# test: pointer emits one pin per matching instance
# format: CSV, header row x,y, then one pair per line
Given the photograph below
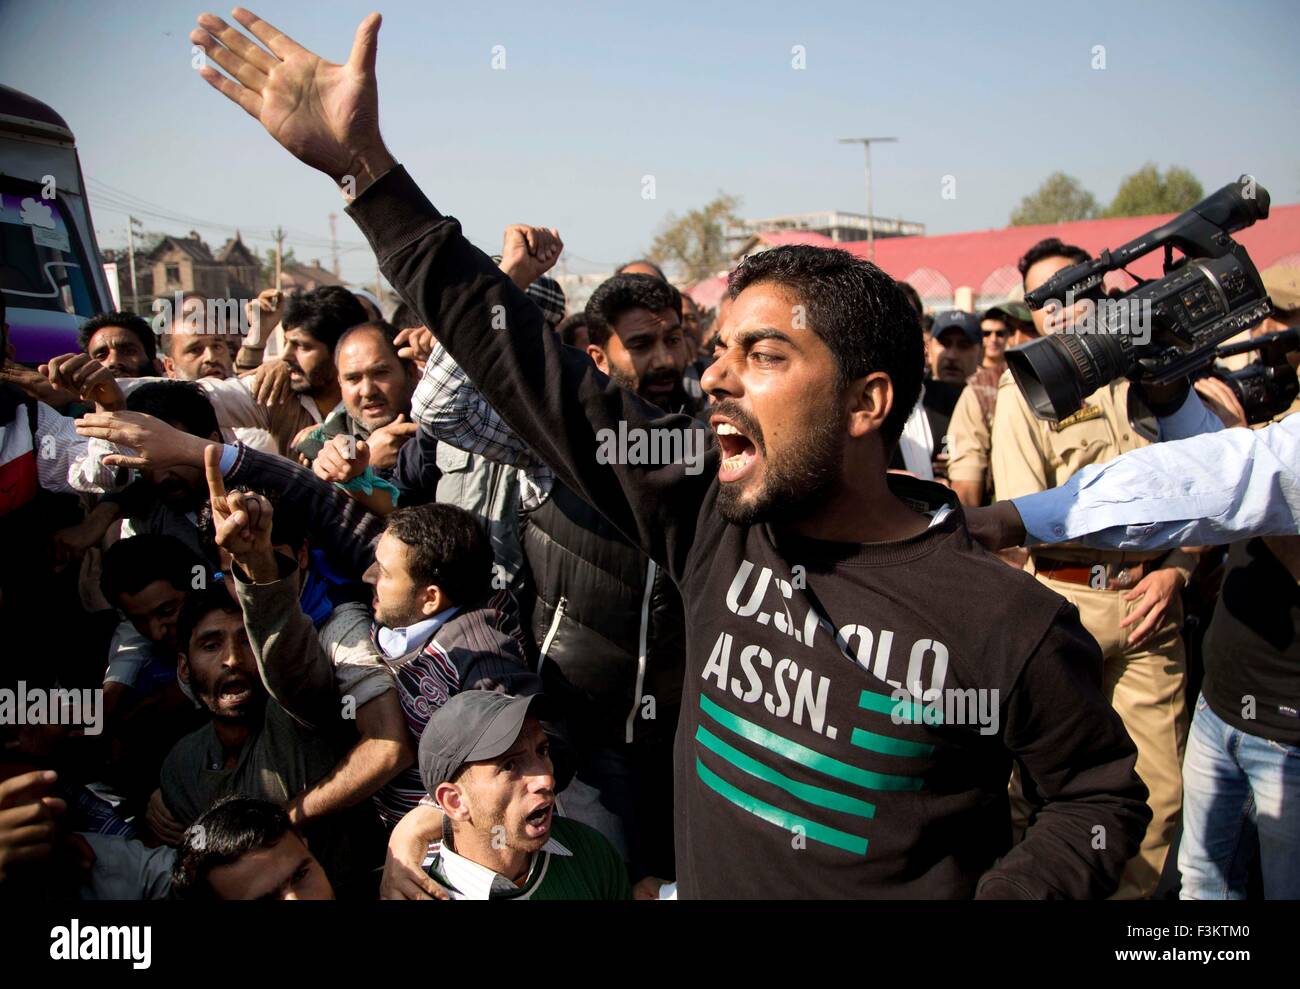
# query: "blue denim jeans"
x,y
1241,794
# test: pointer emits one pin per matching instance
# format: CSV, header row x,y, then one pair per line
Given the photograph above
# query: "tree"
x,y
697,242
1059,199
1146,191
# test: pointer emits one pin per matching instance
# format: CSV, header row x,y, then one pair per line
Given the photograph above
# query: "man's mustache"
x,y
662,378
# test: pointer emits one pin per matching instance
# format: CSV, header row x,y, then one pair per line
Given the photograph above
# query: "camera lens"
x,y
1056,373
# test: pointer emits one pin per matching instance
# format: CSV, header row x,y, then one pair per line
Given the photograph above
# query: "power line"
x,y
120,201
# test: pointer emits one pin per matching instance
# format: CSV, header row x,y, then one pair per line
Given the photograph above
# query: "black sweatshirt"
x,y
798,772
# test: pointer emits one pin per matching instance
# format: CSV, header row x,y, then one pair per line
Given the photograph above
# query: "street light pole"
x,y
866,143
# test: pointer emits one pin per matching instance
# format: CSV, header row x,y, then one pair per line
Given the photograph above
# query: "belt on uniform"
x,y
1116,576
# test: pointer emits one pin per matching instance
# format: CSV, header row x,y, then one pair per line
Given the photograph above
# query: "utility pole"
x,y
866,143
279,255
334,242
131,221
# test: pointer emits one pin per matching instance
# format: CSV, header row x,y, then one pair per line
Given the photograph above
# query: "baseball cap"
x,y
950,319
1282,283
1015,311
472,726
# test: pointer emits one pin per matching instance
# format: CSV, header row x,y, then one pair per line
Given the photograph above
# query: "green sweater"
x,y
577,863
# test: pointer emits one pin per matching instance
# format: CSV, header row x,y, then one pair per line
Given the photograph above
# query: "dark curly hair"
x,y
127,321
326,313
623,293
448,547
859,312
1051,247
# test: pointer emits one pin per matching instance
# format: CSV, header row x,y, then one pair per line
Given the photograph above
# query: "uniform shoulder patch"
x,y
1083,415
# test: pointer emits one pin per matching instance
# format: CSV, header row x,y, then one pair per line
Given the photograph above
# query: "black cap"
x,y
472,726
951,319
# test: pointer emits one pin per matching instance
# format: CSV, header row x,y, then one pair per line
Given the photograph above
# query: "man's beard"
x,y
210,694
798,484
495,824
144,370
403,615
374,421
673,401
309,384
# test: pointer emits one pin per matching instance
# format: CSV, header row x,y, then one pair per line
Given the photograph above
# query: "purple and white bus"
x,y
50,268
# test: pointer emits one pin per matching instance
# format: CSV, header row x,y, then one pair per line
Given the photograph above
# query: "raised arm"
x,y
558,403
337,524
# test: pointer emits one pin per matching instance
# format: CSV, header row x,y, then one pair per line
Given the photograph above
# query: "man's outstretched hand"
x,y
324,114
997,526
157,445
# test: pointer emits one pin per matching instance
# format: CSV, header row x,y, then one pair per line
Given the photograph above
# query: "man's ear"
x,y
304,555
434,601
452,801
183,668
598,357
869,400
169,366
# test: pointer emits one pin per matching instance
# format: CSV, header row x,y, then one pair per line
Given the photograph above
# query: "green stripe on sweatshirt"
x,y
889,746
814,795
774,815
805,756
911,712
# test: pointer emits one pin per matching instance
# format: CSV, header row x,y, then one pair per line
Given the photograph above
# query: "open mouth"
x,y
739,452
234,692
538,822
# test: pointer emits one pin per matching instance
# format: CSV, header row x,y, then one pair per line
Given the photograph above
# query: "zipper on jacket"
x,y
642,647
550,632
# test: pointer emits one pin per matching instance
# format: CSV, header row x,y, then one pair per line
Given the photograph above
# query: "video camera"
x,y
1161,330
1267,386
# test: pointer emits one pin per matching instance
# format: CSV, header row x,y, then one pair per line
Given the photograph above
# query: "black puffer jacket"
x,y
609,623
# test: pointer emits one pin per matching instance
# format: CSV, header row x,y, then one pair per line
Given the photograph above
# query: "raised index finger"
x,y
216,483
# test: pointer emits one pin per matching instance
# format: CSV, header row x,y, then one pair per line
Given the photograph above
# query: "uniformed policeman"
x,y
970,432
1130,602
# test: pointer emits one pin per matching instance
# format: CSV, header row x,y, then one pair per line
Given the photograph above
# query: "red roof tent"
x,y
969,259
708,292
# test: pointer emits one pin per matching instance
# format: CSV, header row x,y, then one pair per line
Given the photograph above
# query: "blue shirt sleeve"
x,y
1191,419
1217,487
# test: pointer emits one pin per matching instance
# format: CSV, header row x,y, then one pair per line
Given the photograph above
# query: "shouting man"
x,y
839,735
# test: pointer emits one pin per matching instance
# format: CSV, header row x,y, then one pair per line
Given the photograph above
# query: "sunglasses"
x,y
1000,334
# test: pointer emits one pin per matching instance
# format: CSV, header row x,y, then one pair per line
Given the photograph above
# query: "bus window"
x,y
41,260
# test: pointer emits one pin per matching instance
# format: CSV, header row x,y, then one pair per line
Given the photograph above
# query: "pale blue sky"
x,y
700,95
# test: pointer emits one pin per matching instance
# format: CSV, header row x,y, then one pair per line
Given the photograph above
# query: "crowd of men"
x,y
416,608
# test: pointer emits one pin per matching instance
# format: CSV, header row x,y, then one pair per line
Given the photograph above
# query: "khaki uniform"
x,y
970,437
1144,684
